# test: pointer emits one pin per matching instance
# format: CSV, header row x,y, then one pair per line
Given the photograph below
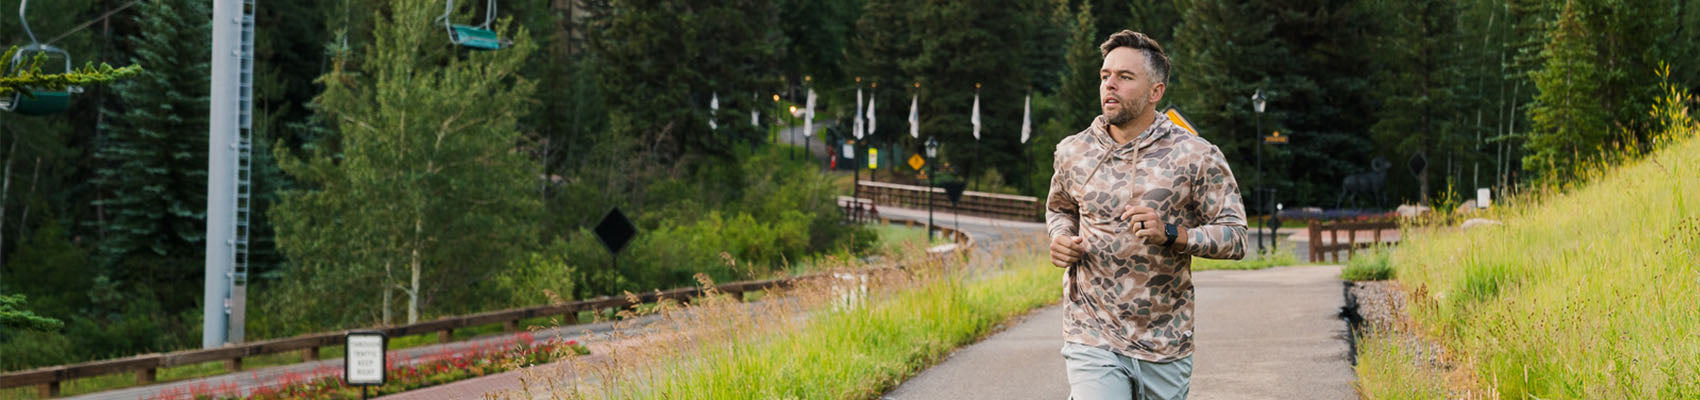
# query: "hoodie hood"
x,y
1160,128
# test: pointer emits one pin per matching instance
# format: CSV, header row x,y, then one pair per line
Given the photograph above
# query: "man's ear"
x,y
1157,92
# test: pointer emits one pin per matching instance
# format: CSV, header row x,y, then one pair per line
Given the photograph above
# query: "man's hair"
x,y
1154,57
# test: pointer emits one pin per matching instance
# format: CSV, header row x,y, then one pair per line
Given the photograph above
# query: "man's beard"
x,y
1120,116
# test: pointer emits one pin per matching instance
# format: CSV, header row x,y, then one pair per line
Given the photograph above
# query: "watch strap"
x,y
1171,231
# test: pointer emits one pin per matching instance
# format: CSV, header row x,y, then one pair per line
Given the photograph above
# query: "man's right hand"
x,y
1066,249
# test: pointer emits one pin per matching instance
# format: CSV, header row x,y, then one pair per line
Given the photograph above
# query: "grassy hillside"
x,y
1592,293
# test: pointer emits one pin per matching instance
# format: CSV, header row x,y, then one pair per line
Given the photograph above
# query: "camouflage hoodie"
x,y
1124,295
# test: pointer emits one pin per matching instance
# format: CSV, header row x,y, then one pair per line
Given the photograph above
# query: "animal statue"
x,y
1363,185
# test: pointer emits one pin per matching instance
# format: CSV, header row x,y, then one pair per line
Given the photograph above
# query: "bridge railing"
x,y
1343,235
146,366
991,205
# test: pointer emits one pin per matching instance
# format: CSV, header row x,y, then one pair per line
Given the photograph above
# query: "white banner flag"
x,y
809,115
856,119
1027,119
976,118
914,117
870,123
713,111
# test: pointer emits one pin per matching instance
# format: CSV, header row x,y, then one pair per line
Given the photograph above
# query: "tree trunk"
x,y
387,290
24,219
413,293
6,186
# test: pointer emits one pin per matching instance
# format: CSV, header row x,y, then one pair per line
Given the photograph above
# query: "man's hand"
x,y
1066,249
1148,226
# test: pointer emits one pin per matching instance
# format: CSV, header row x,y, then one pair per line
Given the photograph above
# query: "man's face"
x,y
1125,89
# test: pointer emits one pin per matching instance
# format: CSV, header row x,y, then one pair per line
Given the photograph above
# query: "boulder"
x,y
1411,210
1479,222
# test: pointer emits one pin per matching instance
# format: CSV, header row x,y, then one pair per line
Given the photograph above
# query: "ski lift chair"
x,y
476,37
38,102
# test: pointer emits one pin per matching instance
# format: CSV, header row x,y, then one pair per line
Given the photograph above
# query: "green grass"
x,y
1388,369
1591,293
1281,259
860,352
896,238
1371,266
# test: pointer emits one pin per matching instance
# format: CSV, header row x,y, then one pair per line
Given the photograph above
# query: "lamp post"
x,y
1258,102
808,136
932,158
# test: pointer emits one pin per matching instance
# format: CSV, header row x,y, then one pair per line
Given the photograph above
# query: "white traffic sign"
x,y
364,361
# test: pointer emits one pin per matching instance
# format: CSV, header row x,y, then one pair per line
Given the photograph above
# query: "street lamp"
x,y
795,113
932,158
1258,102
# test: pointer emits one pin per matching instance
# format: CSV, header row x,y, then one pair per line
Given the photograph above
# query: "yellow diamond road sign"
x,y
1180,120
915,161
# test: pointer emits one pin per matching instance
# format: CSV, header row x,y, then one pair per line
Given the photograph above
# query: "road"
x,y
1267,334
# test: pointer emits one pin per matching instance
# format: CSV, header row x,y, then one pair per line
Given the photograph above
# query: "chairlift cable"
x,y
85,25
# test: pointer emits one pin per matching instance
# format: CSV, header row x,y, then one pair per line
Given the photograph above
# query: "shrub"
x,y
1371,266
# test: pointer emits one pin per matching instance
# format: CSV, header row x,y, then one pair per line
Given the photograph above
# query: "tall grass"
x,y
1373,265
1593,292
826,340
1389,368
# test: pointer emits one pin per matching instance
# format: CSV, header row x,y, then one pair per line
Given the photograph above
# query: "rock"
x,y
1411,211
1469,206
1479,222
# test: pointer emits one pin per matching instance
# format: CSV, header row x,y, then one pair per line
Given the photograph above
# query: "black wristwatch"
x,y
1172,232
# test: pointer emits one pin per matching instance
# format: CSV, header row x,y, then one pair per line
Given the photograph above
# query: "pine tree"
x,y
1570,120
884,39
154,163
963,44
429,194
1311,60
677,54
1419,77
1079,94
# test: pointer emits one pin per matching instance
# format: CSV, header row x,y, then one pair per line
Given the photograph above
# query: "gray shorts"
x,y
1095,373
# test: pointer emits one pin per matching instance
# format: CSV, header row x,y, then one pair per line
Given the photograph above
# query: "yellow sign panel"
x,y
915,161
873,158
1275,138
1180,120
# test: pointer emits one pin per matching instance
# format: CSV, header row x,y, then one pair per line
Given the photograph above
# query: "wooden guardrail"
x,y
992,205
858,211
145,366
1342,235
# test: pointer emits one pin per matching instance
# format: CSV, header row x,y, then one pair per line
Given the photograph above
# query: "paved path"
x,y
986,232
1268,334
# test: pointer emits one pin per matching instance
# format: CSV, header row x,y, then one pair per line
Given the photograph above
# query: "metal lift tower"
x,y
229,168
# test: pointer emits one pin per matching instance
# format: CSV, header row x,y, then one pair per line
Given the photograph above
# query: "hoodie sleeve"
x,y
1062,213
1217,196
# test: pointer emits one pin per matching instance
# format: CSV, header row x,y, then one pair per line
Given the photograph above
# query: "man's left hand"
x,y
1147,225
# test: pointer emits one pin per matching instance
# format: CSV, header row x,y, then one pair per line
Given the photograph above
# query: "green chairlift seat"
x,y
477,37
43,102
474,37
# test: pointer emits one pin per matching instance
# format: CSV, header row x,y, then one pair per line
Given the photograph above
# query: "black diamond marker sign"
x,y
615,231
953,190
